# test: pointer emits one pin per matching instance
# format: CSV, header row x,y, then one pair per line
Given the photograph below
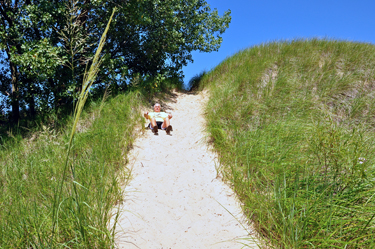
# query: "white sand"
x,y
176,199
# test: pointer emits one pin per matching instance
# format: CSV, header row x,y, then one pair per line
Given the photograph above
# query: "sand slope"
x,y
175,199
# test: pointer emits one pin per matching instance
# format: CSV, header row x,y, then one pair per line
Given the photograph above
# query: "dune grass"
x,y
56,193
293,123
59,189
31,169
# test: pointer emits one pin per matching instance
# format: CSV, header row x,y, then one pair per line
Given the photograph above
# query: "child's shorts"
x,y
159,124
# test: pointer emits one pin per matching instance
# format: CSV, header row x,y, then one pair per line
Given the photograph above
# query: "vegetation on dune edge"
x,y
60,193
32,169
32,166
58,189
293,123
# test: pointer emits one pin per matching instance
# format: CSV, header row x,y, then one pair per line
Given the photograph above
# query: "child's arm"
x,y
166,115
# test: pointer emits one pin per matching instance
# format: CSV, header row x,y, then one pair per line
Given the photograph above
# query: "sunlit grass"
x,y
293,123
31,169
51,199
88,80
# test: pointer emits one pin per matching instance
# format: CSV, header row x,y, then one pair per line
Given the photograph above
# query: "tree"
x,y
152,37
27,38
47,44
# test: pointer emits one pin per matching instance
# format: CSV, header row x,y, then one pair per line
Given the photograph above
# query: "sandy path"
x,y
173,199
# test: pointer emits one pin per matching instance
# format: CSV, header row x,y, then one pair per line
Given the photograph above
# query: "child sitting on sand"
x,y
159,120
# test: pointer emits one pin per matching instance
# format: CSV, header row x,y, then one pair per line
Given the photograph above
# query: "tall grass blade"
x,y
88,80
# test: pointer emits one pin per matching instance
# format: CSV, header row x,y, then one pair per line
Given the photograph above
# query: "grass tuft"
x,y
195,81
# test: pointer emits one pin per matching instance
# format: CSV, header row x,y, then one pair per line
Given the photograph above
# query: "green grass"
x,y
59,187
31,169
293,123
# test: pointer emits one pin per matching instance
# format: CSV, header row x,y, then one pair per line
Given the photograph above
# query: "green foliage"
x,y
51,200
49,44
38,61
292,124
88,80
149,86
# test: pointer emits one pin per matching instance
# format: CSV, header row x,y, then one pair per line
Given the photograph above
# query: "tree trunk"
x,y
52,86
14,96
32,106
30,96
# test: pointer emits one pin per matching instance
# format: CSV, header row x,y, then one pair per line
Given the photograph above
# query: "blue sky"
x,y
256,22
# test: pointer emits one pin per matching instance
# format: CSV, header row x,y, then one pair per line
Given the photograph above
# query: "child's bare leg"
x,y
166,123
153,122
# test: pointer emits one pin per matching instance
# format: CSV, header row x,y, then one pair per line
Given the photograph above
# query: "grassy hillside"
x,y
32,169
294,123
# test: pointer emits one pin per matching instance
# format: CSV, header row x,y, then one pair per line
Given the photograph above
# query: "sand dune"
x,y
176,198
